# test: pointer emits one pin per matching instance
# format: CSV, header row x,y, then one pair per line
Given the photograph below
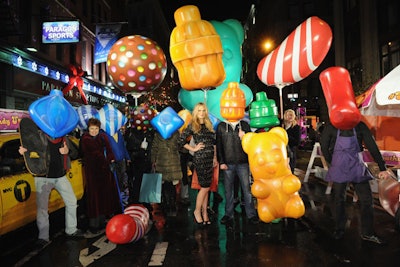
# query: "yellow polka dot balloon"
x,y
136,64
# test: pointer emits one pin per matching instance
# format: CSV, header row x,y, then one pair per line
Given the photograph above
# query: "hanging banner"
x,y
106,36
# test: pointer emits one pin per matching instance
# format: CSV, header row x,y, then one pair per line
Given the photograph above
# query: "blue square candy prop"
x,y
167,122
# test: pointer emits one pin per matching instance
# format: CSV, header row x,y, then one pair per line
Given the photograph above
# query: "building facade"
x,y
366,36
31,68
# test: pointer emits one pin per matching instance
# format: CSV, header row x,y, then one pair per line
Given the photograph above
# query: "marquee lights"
x,y
44,70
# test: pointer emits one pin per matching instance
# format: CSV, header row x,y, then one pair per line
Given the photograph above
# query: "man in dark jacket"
x,y
234,163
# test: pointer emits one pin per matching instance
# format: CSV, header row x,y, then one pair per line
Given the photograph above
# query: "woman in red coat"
x,y
102,199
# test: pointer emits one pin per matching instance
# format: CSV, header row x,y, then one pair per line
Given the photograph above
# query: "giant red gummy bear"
x,y
274,186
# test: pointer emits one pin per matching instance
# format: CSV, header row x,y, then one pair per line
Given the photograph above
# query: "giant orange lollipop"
x,y
136,64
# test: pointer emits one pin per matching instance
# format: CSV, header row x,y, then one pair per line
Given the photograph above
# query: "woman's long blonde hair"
x,y
196,125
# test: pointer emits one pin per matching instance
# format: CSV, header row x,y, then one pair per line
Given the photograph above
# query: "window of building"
x,y
85,7
309,9
72,53
390,56
59,52
294,11
355,71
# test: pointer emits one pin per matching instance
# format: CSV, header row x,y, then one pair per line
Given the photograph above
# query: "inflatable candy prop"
x,y
196,50
233,103
389,192
85,112
340,99
130,226
53,114
141,117
167,122
136,64
263,112
214,120
142,217
186,116
75,79
274,186
231,33
111,119
297,56
121,229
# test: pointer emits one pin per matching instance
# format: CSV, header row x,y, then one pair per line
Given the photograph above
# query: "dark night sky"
x,y
209,9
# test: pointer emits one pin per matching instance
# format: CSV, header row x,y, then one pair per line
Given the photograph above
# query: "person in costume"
x,y
58,162
235,165
122,162
341,150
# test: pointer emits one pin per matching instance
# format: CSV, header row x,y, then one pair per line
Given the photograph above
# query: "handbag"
x,y
150,189
214,182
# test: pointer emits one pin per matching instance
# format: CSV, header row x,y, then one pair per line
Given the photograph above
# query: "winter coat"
x,y
165,156
229,145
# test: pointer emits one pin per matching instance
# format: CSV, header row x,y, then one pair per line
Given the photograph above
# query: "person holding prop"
x,y
47,153
342,144
57,152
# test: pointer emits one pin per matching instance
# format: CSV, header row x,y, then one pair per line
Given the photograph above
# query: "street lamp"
x,y
268,45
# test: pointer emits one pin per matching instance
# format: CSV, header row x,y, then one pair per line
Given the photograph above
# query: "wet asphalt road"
x,y
180,242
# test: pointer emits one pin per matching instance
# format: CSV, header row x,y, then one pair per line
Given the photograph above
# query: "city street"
x,y
304,242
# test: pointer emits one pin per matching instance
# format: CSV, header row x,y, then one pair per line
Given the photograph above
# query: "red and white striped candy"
x,y
298,55
141,215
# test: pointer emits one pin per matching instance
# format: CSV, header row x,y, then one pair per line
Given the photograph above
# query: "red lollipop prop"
x,y
136,64
121,229
297,56
339,96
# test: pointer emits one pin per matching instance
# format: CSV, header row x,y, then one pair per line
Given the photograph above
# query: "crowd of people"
x,y
113,168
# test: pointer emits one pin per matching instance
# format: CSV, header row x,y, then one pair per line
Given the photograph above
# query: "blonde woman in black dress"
x,y
204,158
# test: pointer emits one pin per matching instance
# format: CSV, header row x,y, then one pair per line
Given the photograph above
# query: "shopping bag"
x,y
150,190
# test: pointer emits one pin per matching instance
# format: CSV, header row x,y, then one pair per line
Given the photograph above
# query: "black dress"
x,y
202,159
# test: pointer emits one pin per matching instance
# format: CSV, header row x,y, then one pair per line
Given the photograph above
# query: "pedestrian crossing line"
x,y
98,249
158,256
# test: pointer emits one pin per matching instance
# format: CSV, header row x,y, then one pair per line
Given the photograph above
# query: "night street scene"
x,y
199,133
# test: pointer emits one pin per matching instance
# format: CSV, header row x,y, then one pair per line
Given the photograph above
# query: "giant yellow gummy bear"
x,y
274,186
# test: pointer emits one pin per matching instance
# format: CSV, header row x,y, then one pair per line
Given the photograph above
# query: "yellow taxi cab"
x,y
17,187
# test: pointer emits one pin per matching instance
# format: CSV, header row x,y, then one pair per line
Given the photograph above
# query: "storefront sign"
x,y
392,158
60,32
10,118
41,85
